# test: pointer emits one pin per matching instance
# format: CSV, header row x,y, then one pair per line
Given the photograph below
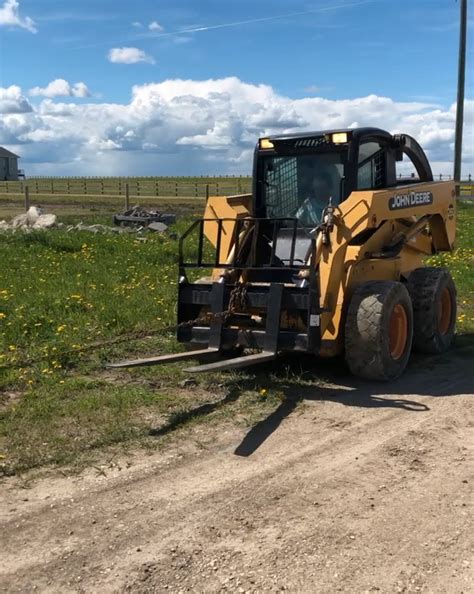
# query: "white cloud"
x,y
313,89
10,17
155,26
80,90
129,55
186,127
61,88
137,24
50,108
13,101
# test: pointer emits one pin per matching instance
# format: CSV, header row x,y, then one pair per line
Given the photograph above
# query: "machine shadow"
x,y
435,376
181,417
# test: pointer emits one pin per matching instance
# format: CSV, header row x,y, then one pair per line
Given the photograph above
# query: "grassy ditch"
x,y
60,292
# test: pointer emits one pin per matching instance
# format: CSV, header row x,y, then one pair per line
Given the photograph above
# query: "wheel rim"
x,y
444,311
398,331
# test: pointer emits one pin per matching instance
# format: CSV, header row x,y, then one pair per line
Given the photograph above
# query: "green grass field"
x,y
60,292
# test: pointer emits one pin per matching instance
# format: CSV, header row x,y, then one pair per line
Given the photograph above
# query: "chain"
x,y
237,302
238,298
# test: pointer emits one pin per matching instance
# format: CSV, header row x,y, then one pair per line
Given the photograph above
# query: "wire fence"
x,y
136,187
144,187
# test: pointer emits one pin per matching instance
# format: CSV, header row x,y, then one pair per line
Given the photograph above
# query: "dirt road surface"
x,y
357,488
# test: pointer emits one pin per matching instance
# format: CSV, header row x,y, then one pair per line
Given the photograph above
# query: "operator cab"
x,y
297,176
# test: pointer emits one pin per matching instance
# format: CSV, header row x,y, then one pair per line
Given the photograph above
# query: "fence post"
x,y
127,197
27,198
207,193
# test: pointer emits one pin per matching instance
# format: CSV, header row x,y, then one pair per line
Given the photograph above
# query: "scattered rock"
x,y
45,221
157,227
186,383
33,219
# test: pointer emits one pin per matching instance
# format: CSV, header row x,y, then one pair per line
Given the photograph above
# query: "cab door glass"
x,y
371,173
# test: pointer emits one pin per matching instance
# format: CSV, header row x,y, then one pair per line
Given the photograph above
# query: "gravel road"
x,y
361,487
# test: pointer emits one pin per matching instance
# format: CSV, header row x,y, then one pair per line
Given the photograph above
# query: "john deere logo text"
x,y
410,199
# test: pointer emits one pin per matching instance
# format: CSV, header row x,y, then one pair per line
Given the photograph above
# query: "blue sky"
x,y
336,50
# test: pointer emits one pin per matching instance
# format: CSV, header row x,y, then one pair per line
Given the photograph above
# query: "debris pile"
x,y
33,219
134,220
143,217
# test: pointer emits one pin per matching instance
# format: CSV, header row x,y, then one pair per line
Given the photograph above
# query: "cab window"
x,y
300,186
371,173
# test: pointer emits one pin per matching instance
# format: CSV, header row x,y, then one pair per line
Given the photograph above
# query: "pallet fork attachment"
x,y
270,350
235,363
175,357
215,338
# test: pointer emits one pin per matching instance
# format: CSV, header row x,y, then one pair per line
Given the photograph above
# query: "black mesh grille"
x,y
282,194
310,142
379,170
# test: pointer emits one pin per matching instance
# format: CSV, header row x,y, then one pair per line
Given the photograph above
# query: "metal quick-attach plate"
x,y
257,296
271,300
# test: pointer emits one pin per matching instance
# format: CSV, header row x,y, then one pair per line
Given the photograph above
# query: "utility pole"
x,y
461,85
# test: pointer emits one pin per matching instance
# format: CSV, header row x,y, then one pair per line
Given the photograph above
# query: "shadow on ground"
x,y
450,374
305,378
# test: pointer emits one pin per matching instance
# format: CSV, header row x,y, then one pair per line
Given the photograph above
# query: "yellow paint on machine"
x,y
364,224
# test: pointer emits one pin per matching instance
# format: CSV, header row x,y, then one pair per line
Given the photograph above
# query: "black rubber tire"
x,y
367,330
426,286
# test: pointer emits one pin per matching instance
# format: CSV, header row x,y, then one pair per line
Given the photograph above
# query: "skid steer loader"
x,y
324,257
